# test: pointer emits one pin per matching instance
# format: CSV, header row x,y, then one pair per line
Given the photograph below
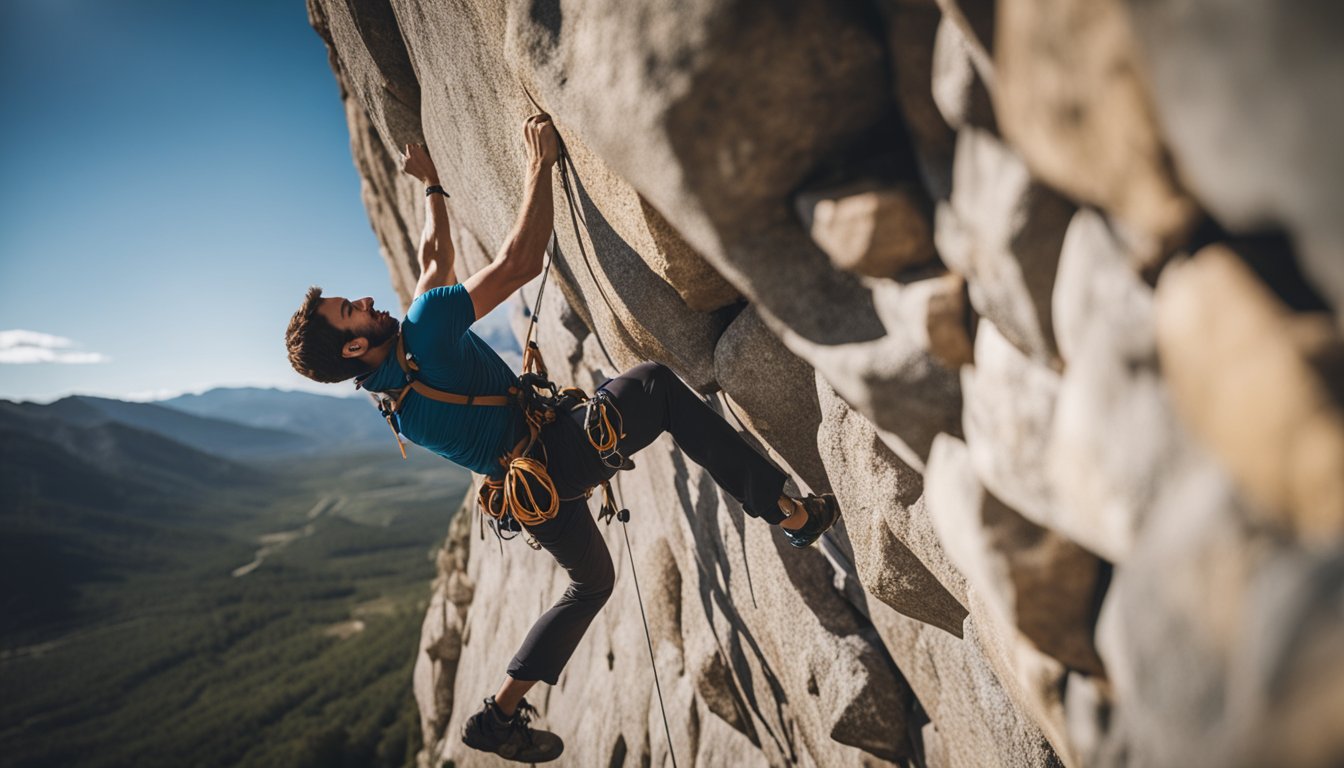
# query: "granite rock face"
x,y
1072,98
1287,447
948,260
1236,86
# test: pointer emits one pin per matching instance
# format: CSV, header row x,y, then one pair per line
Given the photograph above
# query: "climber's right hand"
x,y
543,145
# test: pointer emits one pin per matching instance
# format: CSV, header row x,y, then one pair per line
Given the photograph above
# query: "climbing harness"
x,y
526,494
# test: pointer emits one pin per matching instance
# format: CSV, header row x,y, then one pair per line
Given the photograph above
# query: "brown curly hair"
x,y
315,344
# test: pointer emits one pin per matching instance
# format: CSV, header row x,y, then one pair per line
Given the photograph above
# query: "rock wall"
x,y
1046,291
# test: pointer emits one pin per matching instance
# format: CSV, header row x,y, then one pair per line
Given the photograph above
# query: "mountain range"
x,y
336,423
240,424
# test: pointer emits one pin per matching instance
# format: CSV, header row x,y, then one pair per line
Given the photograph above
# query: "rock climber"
x,y
332,339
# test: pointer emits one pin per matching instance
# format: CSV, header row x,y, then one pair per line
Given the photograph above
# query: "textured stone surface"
x,y
870,228
976,20
1088,712
1038,581
694,128
979,723
673,259
1003,231
911,32
372,55
1208,633
1032,680
1250,377
609,266
775,392
1097,285
1072,98
957,86
1243,96
934,312
896,552
687,79
935,752
1114,440
441,633
1009,413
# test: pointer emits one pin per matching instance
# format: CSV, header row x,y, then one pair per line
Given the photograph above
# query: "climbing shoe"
x,y
822,512
490,730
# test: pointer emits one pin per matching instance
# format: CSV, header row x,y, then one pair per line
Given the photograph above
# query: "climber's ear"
x,y
356,347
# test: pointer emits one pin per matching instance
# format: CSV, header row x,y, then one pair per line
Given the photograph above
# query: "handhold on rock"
x,y
934,312
870,228
947,321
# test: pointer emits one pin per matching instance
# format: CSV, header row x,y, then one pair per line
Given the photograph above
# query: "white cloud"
x,y
21,347
9,339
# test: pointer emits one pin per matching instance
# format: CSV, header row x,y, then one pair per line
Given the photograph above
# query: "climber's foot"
x,y
822,512
490,730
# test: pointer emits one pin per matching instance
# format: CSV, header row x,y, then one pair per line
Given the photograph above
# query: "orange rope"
x,y
513,495
519,498
612,437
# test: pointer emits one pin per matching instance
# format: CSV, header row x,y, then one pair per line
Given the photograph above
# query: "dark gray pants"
x,y
651,400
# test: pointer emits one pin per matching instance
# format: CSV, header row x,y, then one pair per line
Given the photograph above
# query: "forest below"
x,y
164,606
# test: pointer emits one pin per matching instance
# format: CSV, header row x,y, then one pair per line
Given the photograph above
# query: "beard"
x,y
382,330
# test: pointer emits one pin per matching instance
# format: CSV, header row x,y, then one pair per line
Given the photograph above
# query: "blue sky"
x,y
174,176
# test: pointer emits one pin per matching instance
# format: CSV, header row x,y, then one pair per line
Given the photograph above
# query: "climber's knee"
x,y
659,377
595,584
606,580
648,372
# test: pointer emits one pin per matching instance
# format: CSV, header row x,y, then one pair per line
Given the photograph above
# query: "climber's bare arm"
x,y
436,242
523,253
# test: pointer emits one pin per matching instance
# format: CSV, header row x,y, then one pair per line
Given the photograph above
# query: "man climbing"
x,y
331,339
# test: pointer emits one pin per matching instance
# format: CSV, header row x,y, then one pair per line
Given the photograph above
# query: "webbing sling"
x,y
412,371
389,403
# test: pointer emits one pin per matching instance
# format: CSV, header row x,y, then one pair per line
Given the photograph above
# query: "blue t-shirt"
x,y
451,358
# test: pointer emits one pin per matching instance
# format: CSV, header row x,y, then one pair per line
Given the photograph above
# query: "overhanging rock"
x,y
1028,344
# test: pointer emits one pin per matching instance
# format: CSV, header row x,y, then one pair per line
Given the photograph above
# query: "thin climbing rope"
x,y
545,273
571,202
566,162
624,514
624,517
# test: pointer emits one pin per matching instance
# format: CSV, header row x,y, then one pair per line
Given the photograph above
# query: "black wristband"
x,y
435,188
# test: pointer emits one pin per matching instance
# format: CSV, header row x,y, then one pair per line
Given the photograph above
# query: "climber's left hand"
x,y
415,160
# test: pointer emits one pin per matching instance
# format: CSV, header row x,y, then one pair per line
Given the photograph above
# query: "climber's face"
x,y
366,326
